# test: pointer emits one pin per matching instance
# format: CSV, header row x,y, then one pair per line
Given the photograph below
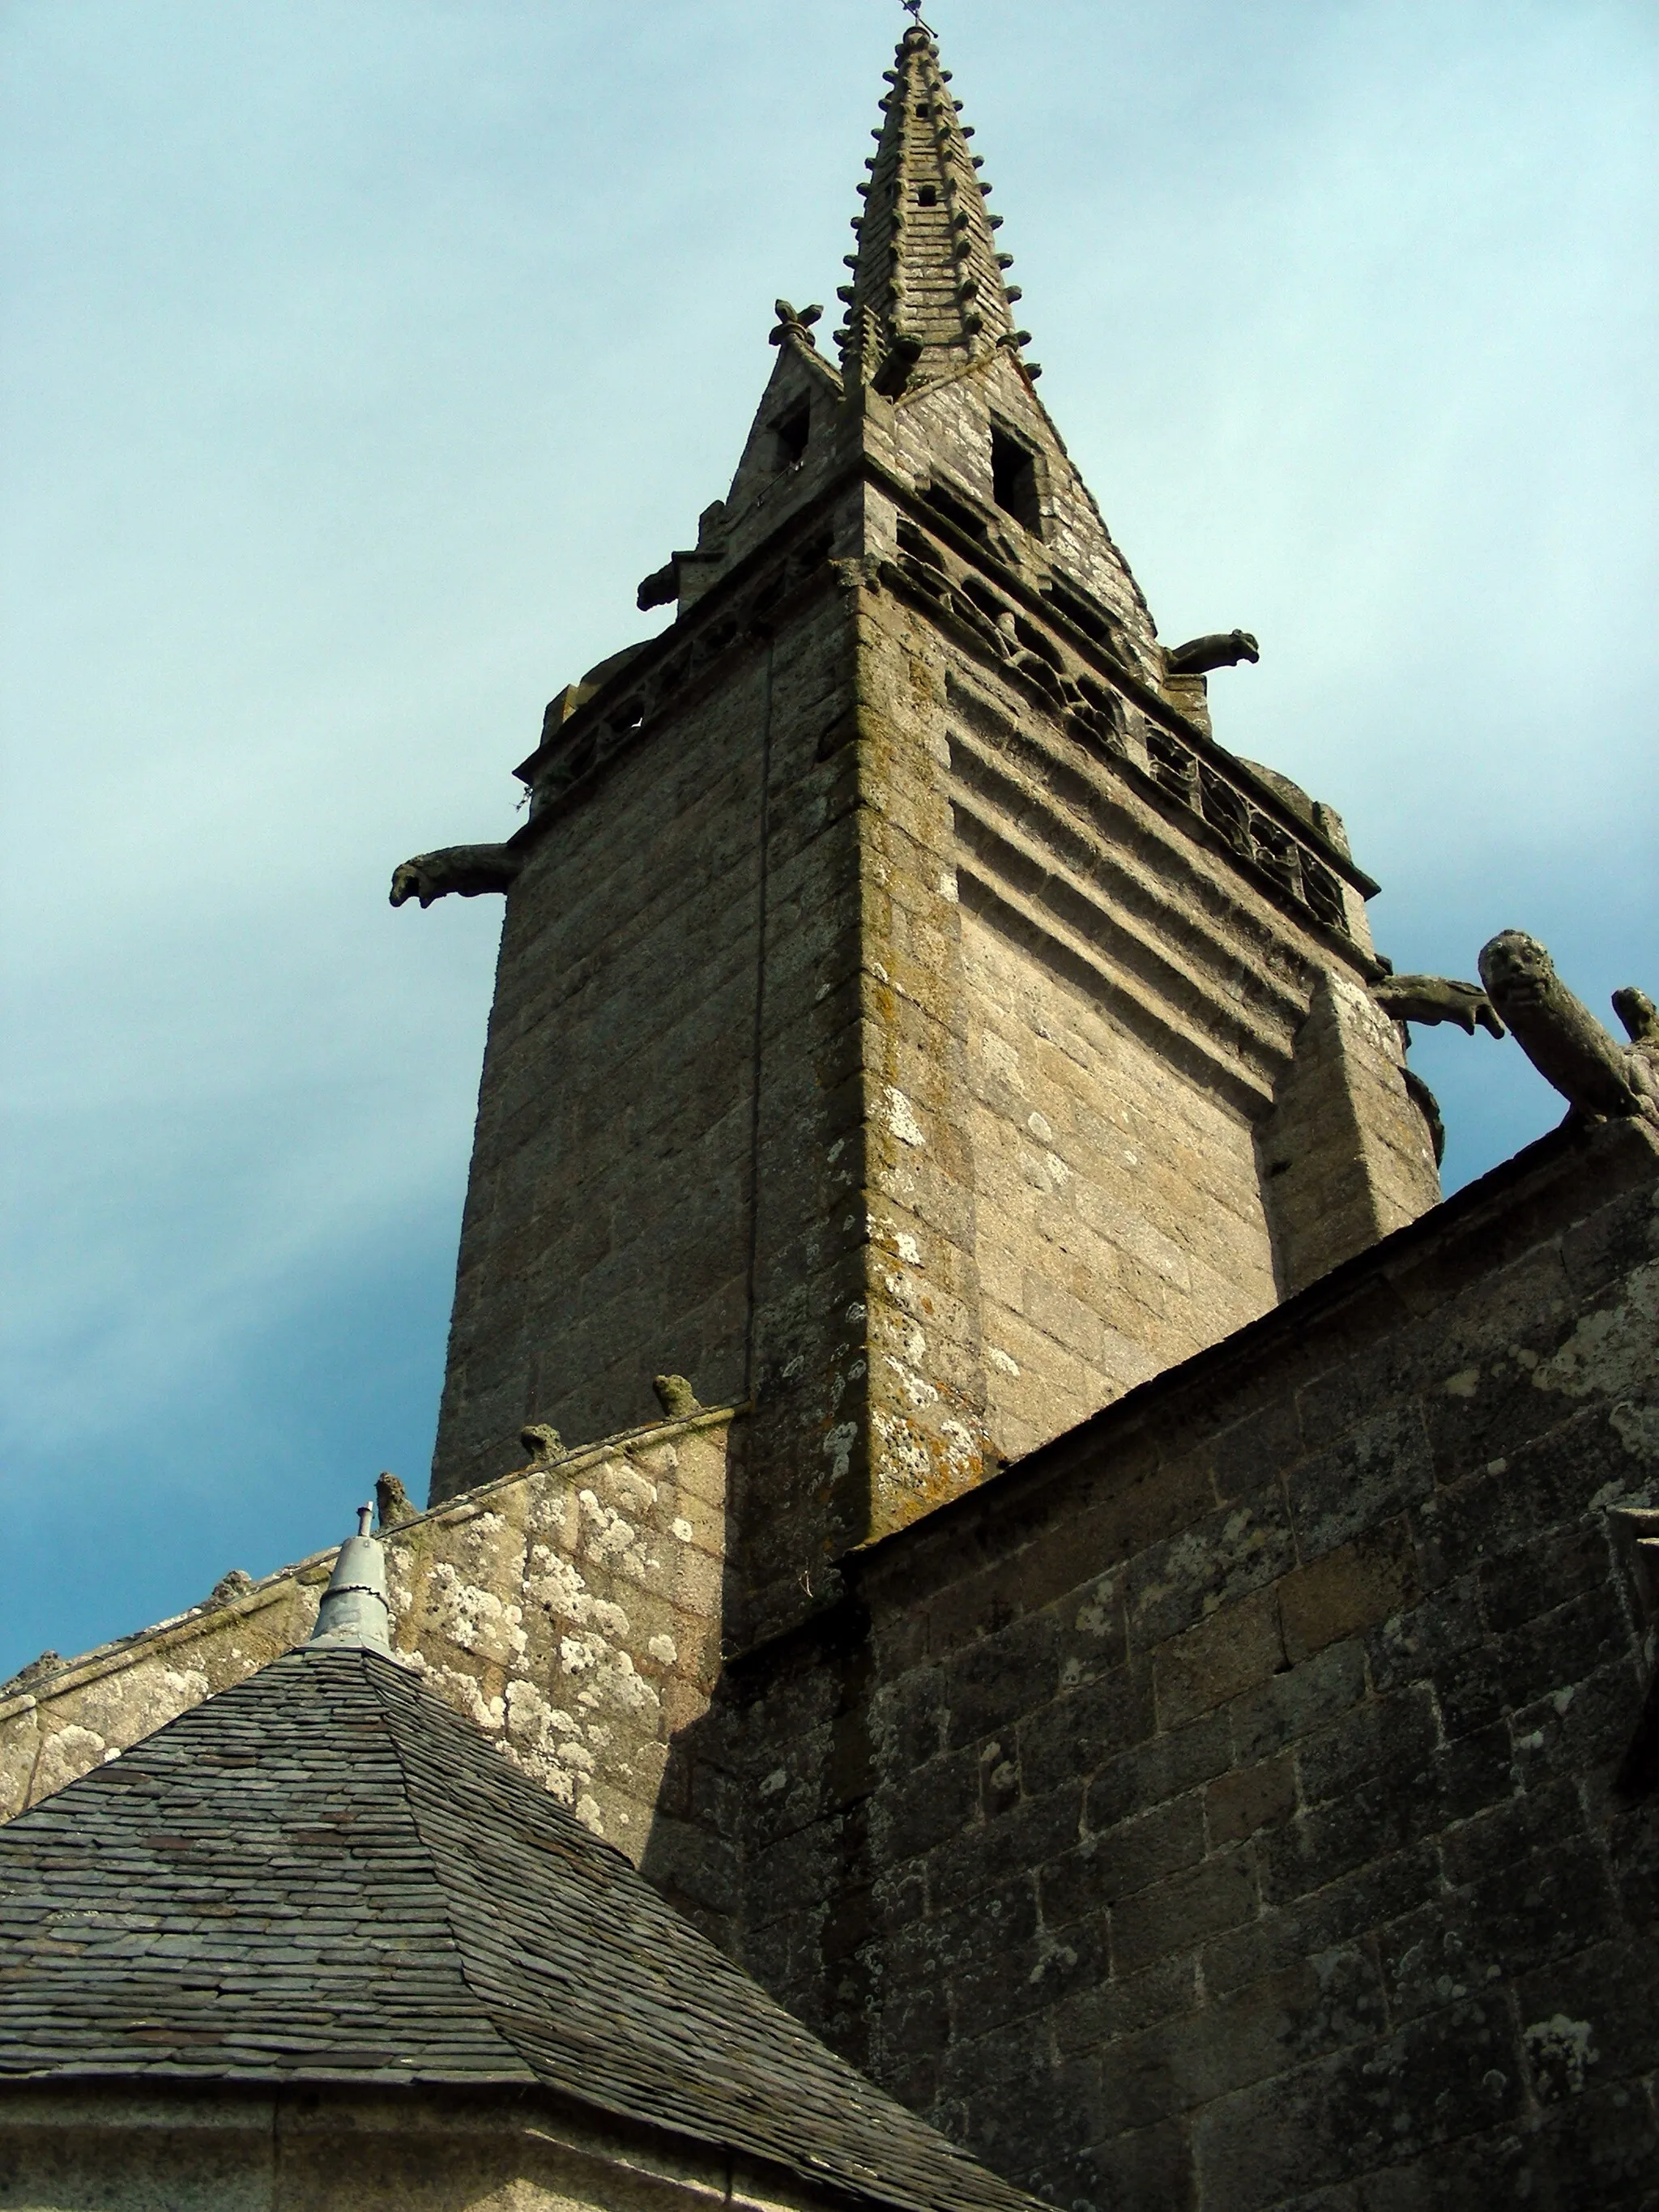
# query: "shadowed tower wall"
x,y
909,1019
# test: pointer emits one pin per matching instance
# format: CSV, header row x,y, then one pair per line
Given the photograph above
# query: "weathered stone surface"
x,y
572,1610
908,1021
1251,1839
913,1029
295,2150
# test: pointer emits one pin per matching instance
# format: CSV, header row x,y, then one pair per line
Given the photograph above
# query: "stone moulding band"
x,y
944,572
1098,927
1019,918
1280,863
729,617
1263,801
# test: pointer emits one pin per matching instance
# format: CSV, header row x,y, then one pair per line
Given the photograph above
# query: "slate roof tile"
x,y
323,1873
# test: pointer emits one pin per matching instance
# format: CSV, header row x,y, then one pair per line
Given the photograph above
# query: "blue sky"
x,y
359,360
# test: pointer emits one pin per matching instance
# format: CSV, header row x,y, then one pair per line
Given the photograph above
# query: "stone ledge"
x,y
572,1609
316,1566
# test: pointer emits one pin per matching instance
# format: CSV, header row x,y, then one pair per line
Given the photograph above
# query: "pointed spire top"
x,y
928,294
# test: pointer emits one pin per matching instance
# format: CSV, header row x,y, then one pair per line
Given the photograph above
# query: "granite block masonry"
x,y
572,1610
909,1019
1232,1806
1152,1656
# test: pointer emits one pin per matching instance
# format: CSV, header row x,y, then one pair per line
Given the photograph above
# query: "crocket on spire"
x,y
928,294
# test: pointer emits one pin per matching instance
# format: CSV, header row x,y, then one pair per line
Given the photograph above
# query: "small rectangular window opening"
x,y
927,196
789,435
954,510
1014,481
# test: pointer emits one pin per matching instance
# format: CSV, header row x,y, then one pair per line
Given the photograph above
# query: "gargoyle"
x,y
392,1504
542,1443
662,587
1431,999
676,1396
1594,1072
1641,1019
903,352
468,870
1221,649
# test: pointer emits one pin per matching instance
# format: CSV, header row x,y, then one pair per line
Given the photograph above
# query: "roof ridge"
x,y
803,2054
404,1678
301,1898
326,1872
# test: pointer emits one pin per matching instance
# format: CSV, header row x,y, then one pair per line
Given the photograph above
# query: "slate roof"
x,y
325,1875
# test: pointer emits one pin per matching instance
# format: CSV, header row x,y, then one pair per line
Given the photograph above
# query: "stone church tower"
x,y
910,1020
1149,1645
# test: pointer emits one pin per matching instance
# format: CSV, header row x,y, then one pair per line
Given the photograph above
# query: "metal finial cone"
x,y
355,1614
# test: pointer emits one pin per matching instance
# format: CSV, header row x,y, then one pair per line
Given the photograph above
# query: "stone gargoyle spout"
x,y
1431,999
1640,1016
466,870
1594,1072
1221,649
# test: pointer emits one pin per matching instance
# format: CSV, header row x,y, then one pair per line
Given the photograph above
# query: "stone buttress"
x,y
910,1020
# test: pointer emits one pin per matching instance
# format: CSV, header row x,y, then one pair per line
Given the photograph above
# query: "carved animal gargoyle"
x,y
1593,1072
1641,1019
662,587
676,1396
392,1504
466,870
1432,999
903,352
1221,649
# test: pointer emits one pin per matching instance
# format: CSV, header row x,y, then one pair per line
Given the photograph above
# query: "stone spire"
x,y
928,293
907,844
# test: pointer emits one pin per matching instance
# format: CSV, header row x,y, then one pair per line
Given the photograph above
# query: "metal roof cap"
x,y
355,1614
